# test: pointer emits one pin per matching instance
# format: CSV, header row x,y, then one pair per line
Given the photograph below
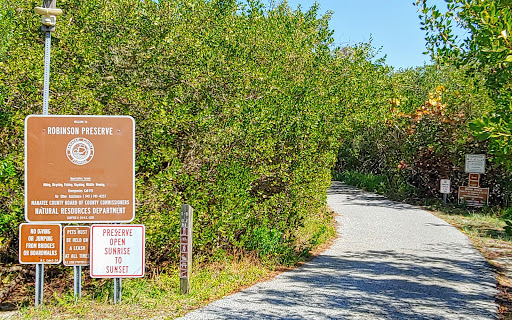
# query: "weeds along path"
x,y
391,261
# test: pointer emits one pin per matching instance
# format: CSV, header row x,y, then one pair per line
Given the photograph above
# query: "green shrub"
x,y
419,135
236,109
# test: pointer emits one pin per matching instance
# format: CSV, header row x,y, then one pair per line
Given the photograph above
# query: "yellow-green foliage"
x,y
416,131
485,47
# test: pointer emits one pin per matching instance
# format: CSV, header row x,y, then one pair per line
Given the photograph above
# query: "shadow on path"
x,y
446,279
375,285
359,197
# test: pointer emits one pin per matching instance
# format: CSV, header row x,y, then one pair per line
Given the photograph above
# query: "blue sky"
x,y
393,25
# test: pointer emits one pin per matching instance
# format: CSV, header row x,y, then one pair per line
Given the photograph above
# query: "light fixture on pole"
x,y
49,13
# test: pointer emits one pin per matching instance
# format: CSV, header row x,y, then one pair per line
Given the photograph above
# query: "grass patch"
x,y
155,296
366,181
485,230
395,187
317,233
158,294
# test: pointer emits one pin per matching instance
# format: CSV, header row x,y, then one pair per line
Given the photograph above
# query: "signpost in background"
x,y
49,13
79,169
472,194
444,188
186,217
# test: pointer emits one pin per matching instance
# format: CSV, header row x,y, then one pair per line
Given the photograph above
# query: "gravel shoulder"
x,y
391,261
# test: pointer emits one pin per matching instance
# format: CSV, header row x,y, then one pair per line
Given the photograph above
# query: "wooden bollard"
x,y
185,248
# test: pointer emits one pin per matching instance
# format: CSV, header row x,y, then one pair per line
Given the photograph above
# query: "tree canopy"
x,y
487,48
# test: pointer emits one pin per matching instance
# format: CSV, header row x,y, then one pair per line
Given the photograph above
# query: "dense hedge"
x,y
418,133
235,111
241,111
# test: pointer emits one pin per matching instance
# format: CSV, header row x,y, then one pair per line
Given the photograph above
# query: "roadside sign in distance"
x,y
445,186
475,163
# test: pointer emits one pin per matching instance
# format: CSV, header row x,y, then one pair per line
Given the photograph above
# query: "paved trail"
x,y
391,261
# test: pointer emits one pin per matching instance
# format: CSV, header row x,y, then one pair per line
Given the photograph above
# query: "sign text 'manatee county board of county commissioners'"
x,y
79,169
117,251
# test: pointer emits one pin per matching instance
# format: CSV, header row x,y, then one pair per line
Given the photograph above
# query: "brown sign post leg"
x,y
185,248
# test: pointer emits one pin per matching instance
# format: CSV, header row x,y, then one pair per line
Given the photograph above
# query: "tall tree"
x,y
487,47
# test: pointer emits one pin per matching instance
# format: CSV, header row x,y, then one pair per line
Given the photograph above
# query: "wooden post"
x,y
185,248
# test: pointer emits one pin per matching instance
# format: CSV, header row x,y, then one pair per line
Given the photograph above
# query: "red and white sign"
x,y
117,251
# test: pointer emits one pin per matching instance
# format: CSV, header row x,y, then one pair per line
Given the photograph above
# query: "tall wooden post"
x,y
185,248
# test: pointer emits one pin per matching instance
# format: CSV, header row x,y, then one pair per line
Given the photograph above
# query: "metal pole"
x,y
77,283
117,290
39,284
46,83
49,12
444,198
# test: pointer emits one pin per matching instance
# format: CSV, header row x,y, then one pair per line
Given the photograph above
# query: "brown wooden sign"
x,y
40,243
474,180
474,197
79,169
76,245
186,217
